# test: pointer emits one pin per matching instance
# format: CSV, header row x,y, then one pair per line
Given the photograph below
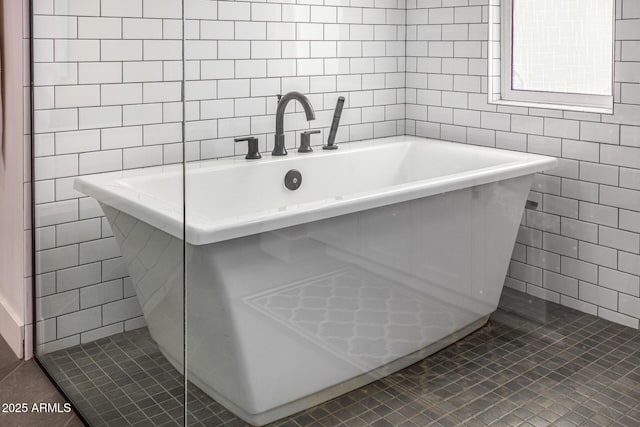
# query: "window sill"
x,y
583,109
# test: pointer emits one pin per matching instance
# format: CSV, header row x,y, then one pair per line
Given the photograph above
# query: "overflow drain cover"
x,y
293,179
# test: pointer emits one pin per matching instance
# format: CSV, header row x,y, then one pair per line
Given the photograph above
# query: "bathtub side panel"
x,y
154,260
307,307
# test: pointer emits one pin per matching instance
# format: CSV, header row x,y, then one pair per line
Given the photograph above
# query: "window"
x,y
557,54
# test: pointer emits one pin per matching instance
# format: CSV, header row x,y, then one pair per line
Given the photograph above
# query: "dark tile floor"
x,y
24,382
534,364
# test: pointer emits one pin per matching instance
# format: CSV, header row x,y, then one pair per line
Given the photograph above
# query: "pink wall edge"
x,y
15,253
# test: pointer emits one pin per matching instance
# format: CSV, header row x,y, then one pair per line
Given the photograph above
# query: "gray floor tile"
x,y
535,363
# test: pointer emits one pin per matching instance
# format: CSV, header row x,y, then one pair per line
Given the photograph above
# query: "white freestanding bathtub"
x,y
390,250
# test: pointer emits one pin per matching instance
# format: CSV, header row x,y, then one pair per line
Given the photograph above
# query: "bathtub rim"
x,y
108,188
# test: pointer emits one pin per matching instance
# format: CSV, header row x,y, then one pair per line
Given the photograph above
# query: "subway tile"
x,y
98,28
561,128
65,190
561,284
619,239
598,295
121,50
620,197
100,161
560,245
600,132
99,117
546,184
618,317
620,156
516,284
580,230
630,220
78,277
135,323
43,7
57,304
619,281
121,8
579,305
629,305
600,214
102,332
79,321
472,14
581,150
560,206
100,294
97,250
580,190
45,191
46,239
133,72
43,51
68,50
56,213
543,259
141,114
511,141
123,137
99,72
630,9
468,84
120,94
46,121
546,294
529,237
119,311
140,29
56,259
441,16
78,231
566,168
596,254
595,172
89,208
200,9
629,263
630,178
526,273
630,135
527,124
543,221
162,8
579,269
626,114
544,145
77,96
55,27
77,141
495,121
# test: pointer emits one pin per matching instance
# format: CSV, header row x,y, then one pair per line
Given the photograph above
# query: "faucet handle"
x,y
305,141
252,147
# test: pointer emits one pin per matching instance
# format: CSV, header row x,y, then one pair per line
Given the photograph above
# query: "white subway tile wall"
x,y
108,89
107,97
581,246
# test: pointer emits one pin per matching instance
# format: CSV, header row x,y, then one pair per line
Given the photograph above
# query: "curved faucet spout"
x,y
279,149
282,105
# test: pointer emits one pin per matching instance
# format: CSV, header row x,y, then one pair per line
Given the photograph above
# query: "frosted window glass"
x,y
563,46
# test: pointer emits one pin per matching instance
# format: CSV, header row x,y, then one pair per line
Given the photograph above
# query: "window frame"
x,y
541,99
